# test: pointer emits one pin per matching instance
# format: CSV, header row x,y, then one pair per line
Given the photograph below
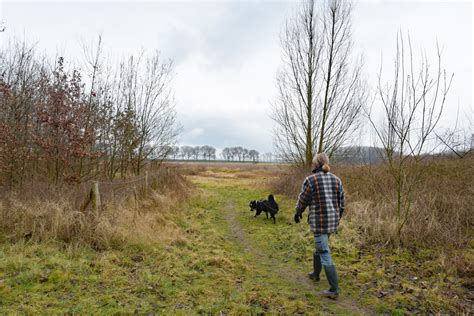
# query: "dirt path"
x,y
291,275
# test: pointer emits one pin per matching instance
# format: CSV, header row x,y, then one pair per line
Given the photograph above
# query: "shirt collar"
x,y
317,169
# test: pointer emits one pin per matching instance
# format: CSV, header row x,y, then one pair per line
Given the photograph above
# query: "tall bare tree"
x,y
412,102
155,110
320,89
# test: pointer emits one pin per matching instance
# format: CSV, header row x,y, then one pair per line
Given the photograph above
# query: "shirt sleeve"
x,y
341,199
304,198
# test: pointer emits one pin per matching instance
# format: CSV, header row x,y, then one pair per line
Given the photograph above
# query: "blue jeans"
x,y
322,248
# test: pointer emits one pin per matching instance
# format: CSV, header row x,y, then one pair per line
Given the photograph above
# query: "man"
x,y
323,193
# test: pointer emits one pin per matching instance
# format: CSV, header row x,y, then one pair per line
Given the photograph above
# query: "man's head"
x,y
321,160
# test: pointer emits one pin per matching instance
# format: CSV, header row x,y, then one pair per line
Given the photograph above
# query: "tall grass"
x,y
43,213
442,203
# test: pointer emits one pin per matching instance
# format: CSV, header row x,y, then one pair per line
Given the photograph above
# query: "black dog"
x,y
267,206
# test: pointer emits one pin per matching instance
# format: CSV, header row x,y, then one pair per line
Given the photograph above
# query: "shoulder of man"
x,y
311,178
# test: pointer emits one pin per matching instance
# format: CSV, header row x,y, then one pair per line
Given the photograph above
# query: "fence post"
x,y
146,182
135,195
95,197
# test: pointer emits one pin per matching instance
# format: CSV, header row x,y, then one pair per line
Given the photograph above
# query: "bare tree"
x,y
155,109
186,152
412,103
253,155
144,109
238,152
96,108
458,139
208,152
196,152
268,156
344,89
320,89
227,153
175,152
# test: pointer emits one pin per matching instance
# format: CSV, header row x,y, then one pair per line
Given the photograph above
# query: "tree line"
x,y
207,152
63,123
240,154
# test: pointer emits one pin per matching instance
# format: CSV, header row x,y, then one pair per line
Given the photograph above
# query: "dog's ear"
x,y
271,198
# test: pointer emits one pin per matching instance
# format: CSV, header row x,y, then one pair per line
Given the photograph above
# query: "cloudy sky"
x,y
226,53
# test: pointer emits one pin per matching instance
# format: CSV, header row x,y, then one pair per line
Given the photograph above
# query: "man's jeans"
x,y
322,248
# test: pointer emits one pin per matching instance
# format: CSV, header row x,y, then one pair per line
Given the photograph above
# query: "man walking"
x,y
322,192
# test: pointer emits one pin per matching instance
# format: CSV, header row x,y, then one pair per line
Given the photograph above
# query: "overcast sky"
x,y
226,53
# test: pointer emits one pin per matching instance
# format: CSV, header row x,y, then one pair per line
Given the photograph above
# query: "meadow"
x,y
191,245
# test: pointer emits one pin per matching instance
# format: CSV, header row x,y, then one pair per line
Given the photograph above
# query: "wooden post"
x,y
135,195
113,194
86,202
95,197
146,182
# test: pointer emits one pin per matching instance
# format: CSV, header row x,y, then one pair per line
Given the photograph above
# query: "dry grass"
x,y
438,234
131,218
213,256
441,215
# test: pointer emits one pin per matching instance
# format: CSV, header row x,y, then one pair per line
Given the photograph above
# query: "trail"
x,y
294,277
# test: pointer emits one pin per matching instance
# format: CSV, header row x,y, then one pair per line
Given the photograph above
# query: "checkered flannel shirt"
x,y
324,195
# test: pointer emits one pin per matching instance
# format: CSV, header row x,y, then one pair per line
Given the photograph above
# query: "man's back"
x,y
323,193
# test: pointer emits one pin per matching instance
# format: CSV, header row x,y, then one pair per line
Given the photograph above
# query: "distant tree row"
x,y
241,154
192,152
209,153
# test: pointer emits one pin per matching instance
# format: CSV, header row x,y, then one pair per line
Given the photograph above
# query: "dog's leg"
x,y
274,219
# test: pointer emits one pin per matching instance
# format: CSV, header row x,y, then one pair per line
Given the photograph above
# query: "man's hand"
x,y
298,216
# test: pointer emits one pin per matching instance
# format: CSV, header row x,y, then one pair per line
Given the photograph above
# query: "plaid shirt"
x,y
324,195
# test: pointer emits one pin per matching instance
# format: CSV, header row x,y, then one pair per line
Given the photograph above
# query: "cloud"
x,y
225,32
227,132
194,133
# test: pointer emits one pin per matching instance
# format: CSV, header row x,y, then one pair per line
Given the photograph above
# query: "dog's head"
x,y
252,205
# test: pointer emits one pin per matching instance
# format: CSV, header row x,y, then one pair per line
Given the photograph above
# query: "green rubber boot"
x,y
331,275
316,267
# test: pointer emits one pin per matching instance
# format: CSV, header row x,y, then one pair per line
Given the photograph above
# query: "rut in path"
x,y
291,275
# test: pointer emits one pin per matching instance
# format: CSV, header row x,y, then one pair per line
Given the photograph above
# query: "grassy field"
x,y
220,259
